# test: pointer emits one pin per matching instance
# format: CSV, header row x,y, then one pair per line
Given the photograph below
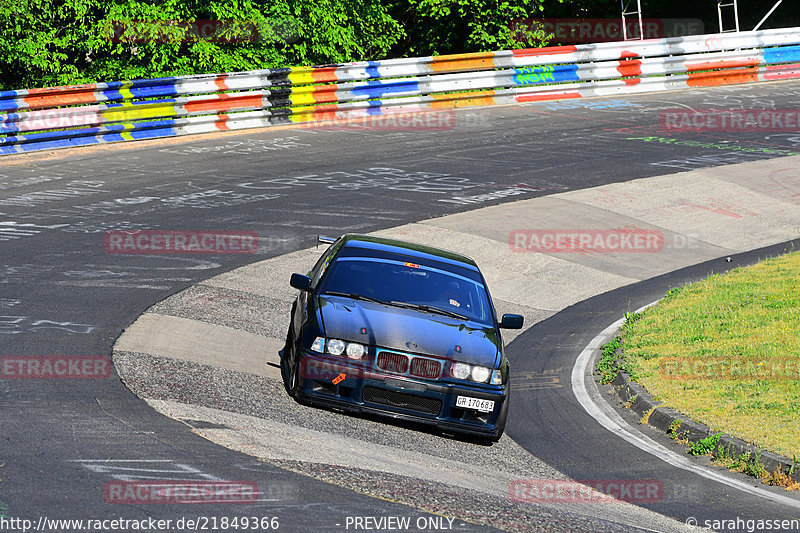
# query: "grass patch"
x,y
740,333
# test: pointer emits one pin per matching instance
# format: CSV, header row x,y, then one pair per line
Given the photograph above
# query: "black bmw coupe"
x,y
402,330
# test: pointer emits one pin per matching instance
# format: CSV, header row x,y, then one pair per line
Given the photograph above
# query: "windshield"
x,y
409,283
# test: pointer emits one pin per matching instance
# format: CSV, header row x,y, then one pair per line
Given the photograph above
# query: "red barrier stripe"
x,y
222,124
224,104
782,72
544,97
525,52
630,67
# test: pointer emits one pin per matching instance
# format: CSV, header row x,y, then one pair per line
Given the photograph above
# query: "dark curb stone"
x,y
641,402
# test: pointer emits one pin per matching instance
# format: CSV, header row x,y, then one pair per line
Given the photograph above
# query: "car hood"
x,y
408,330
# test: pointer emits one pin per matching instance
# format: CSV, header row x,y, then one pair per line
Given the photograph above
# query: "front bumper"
x,y
357,387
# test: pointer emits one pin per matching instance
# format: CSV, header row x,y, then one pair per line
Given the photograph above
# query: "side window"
x,y
323,262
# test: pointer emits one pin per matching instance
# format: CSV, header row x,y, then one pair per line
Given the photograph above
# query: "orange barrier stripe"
x,y
470,98
722,77
459,62
326,93
53,100
224,104
324,74
220,82
327,108
467,98
711,65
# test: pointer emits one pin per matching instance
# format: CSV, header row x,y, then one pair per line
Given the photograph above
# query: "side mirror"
x,y
512,321
300,282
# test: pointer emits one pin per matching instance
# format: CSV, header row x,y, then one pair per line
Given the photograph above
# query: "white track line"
x,y
612,421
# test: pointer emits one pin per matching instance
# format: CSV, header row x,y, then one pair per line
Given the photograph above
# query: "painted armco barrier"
x,y
78,115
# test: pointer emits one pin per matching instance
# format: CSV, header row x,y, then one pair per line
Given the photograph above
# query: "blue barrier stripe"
x,y
373,69
8,105
375,107
379,88
546,74
155,81
784,54
152,133
86,141
151,92
46,135
83,132
10,94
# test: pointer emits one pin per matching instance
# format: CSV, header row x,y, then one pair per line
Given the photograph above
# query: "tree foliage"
x,y
456,26
57,42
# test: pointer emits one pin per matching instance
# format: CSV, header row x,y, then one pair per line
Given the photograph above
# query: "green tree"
x,y
61,42
456,26
52,42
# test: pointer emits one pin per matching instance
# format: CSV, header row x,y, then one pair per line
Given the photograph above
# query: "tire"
x,y
294,381
285,360
292,378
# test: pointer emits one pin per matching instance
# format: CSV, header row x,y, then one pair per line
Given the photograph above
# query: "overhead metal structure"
x,y
626,13
768,14
733,4
722,4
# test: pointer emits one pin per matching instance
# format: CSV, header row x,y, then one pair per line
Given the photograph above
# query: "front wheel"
x,y
292,375
294,381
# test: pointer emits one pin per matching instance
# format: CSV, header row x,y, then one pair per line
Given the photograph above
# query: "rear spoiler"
x,y
322,239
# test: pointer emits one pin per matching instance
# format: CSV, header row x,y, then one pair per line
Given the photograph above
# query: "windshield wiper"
x,y
431,309
355,296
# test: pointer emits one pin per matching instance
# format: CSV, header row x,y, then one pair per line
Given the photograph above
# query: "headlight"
x,y
338,347
335,347
356,351
476,373
480,374
460,370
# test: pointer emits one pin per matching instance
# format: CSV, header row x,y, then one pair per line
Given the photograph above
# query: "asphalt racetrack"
x,y
63,293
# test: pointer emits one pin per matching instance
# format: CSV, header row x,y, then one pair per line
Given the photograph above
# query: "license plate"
x,y
484,406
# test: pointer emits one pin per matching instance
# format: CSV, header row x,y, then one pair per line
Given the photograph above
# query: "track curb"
x,y
640,401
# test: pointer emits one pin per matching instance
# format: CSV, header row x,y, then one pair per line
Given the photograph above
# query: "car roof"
x,y
421,251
